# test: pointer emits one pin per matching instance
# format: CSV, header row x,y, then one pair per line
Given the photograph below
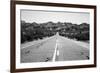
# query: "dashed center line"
x,y
56,51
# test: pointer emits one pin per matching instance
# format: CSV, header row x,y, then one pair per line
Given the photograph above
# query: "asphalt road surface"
x,y
56,48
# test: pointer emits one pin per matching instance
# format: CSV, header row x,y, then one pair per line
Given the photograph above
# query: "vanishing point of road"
x,y
55,48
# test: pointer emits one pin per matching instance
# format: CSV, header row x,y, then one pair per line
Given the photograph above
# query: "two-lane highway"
x,y
69,50
56,48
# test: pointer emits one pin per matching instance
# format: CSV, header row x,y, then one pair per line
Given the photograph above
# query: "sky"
x,y
54,16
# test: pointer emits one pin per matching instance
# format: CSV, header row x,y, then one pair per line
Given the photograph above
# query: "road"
x,y
56,48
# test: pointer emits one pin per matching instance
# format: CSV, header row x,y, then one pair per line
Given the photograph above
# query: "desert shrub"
x,y
23,38
82,36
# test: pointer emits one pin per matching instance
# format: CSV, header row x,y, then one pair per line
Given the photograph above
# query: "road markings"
x,y
56,52
54,55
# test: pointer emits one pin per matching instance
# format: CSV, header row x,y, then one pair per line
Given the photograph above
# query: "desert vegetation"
x,y
35,31
78,32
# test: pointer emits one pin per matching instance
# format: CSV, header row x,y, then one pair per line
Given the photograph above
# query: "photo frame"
x,y
59,24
